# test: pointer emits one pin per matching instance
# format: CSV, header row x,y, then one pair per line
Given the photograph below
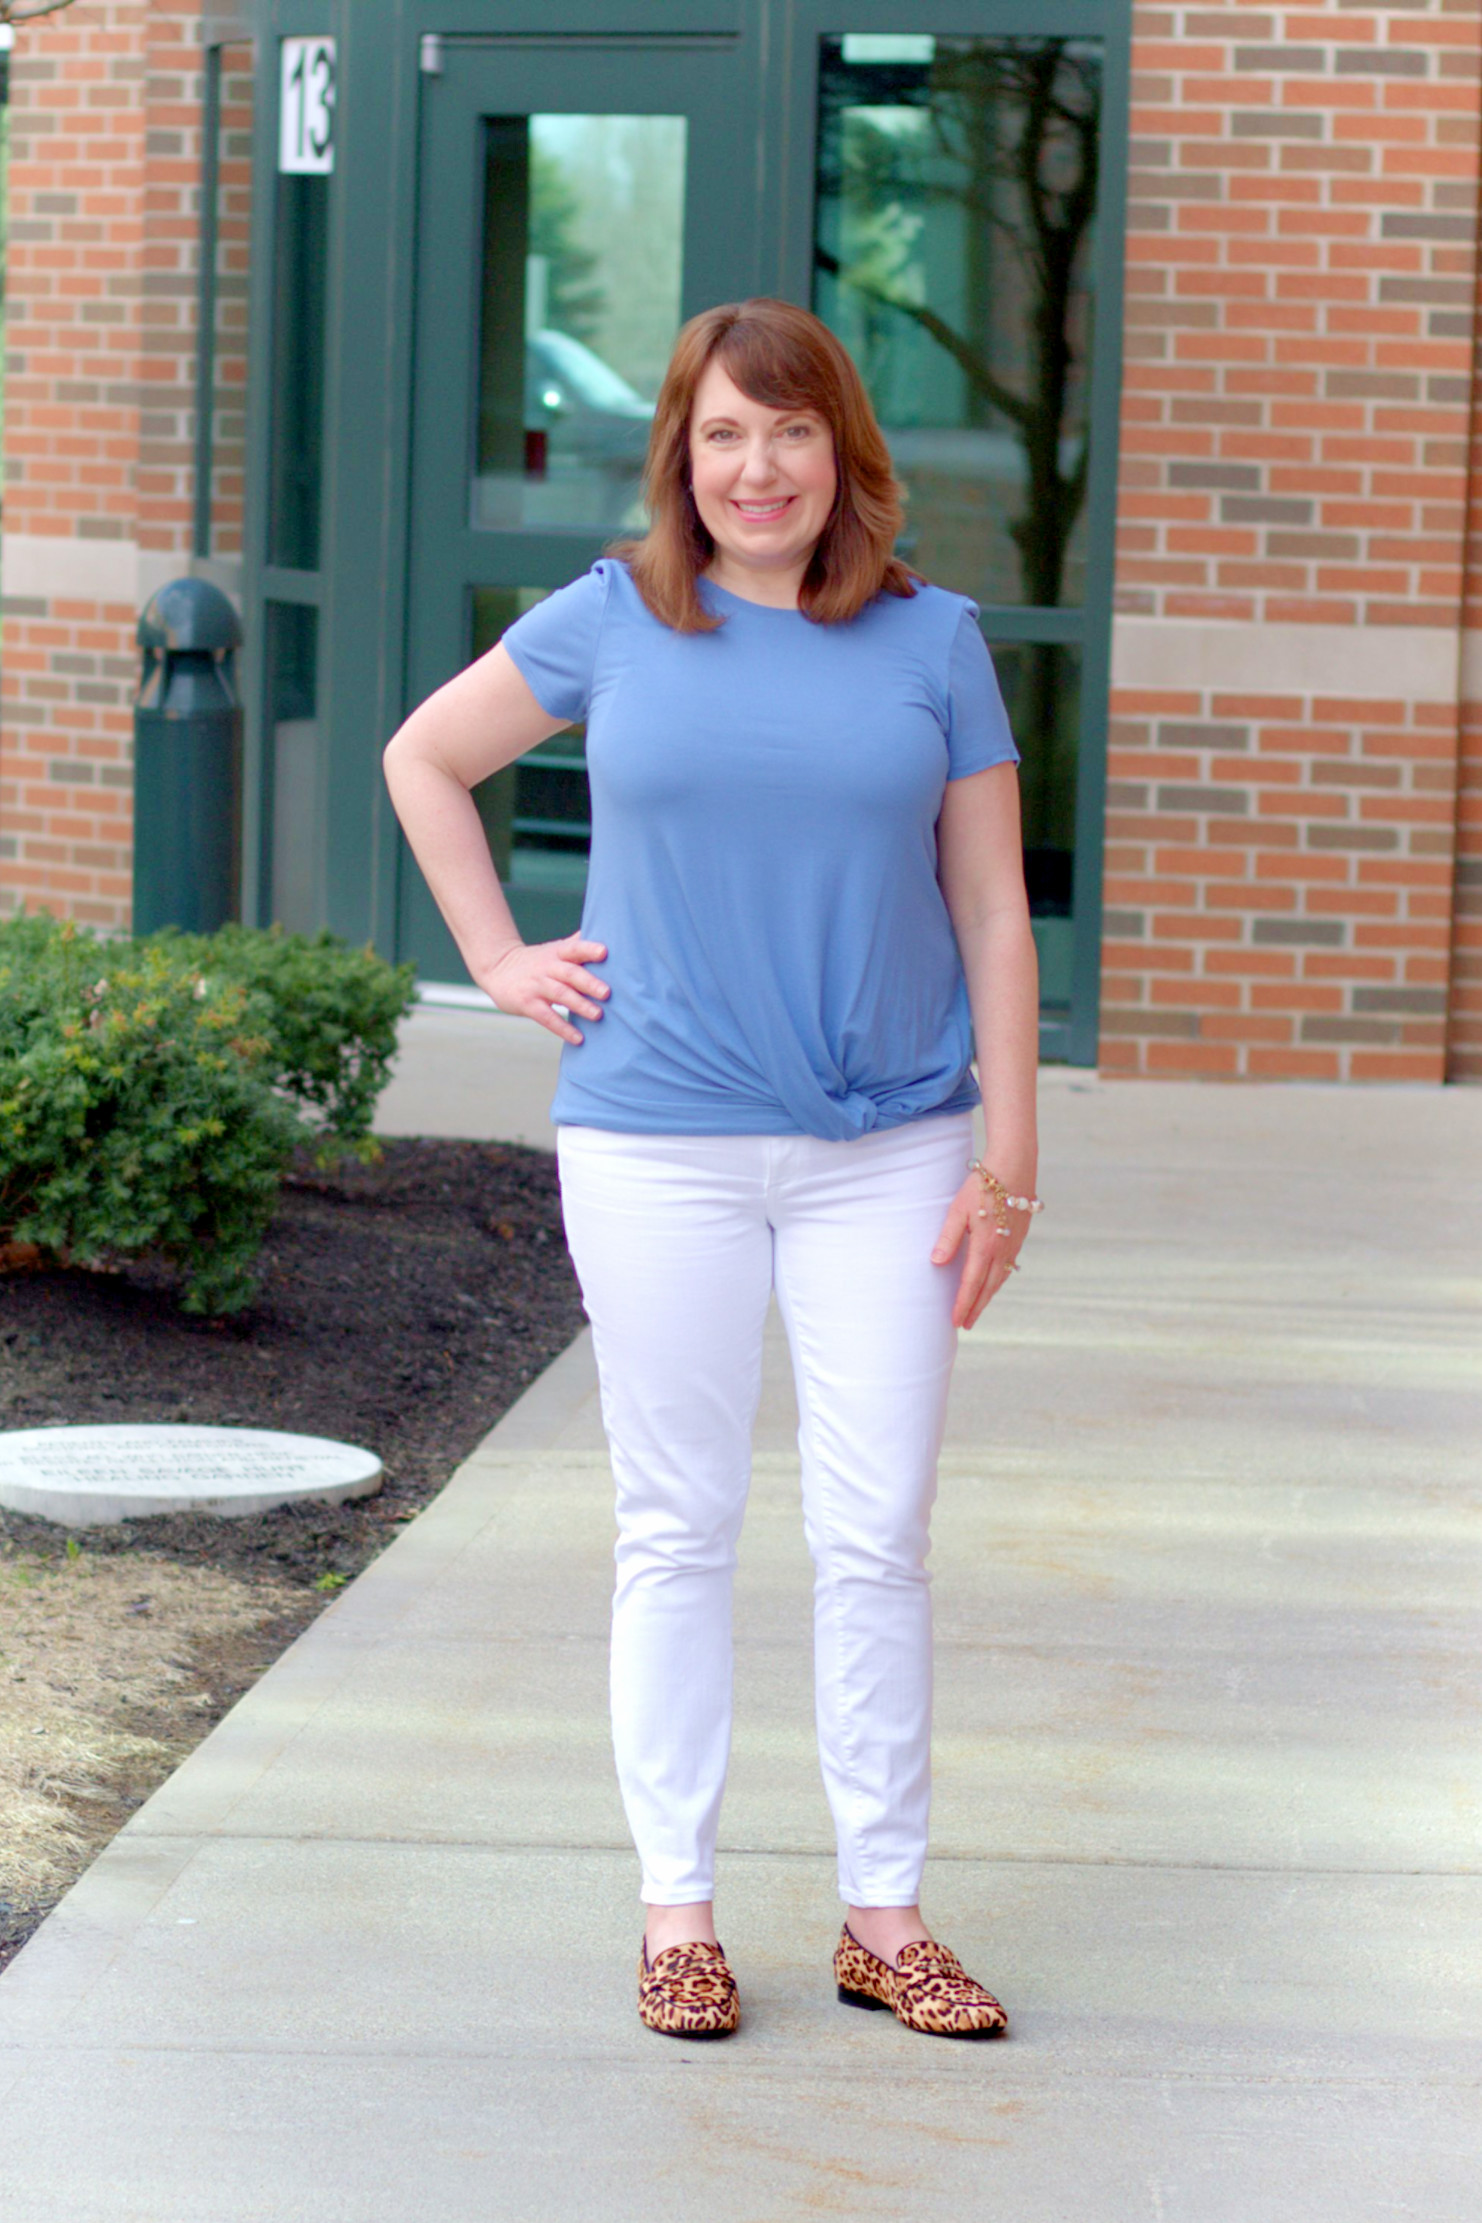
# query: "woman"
x,y
806,898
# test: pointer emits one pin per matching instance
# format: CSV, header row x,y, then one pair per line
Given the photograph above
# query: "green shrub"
x,y
330,1012
152,1093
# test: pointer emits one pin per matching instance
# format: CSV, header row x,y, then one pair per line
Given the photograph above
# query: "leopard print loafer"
x,y
929,1991
687,1991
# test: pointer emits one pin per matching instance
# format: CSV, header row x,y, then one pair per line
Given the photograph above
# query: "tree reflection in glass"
x,y
956,201
956,196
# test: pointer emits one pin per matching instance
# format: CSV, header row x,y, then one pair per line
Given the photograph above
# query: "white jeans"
x,y
679,1241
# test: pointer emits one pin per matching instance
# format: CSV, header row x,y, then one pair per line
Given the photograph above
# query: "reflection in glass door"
x,y
537,813
956,202
583,231
582,244
563,239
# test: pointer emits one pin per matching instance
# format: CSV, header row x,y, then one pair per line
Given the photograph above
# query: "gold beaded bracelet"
x,y
1003,1203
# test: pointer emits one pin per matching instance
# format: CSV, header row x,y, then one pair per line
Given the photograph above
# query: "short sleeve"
x,y
554,646
978,732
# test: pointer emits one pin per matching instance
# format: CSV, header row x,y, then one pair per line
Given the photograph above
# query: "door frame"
x,y
363,594
363,587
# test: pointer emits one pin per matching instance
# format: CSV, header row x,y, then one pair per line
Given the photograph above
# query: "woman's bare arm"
x,y
981,869
473,727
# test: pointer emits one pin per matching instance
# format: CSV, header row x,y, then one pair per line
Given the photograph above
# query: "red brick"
x,y
1253,964
1292,1065
1204,1060
1396,1065
1289,997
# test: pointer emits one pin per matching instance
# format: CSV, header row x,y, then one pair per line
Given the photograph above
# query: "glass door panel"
x,y
300,301
1041,683
954,250
955,210
537,813
564,238
582,250
293,767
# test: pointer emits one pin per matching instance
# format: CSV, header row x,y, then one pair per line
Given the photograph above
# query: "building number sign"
x,y
306,107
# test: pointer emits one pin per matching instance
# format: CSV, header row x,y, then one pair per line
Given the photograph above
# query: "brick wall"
x,y
104,170
1283,771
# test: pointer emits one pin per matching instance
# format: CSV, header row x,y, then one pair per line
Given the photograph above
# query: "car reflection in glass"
x,y
586,433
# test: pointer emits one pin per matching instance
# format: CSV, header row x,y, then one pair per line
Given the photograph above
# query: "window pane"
x,y
537,813
300,272
1041,683
582,252
956,196
293,759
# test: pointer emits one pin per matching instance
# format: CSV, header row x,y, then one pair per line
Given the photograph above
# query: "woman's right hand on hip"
x,y
531,979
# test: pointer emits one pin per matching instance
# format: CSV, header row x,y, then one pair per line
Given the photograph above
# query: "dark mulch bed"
x,y
403,1306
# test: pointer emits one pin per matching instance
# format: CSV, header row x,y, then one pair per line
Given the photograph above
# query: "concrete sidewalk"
x,y
1208,1786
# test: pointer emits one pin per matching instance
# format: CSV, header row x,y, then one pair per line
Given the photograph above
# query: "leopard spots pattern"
x,y
688,1991
930,1991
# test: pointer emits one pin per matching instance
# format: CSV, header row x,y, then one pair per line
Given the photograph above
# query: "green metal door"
x,y
578,199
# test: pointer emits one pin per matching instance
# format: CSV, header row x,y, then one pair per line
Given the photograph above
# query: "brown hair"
x,y
785,358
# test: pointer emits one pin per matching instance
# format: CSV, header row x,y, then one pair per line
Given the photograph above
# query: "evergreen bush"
x,y
330,1012
152,1093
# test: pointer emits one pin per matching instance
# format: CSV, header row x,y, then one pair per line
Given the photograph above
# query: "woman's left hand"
x,y
990,1256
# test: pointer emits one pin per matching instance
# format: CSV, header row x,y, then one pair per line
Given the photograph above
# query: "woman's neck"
x,y
774,590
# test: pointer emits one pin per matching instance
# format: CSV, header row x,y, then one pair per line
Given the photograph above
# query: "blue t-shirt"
x,y
764,859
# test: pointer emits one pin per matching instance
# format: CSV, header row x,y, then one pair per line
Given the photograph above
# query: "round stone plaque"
x,y
81,1477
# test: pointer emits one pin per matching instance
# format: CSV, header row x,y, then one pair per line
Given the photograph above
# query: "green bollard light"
x,y
187,761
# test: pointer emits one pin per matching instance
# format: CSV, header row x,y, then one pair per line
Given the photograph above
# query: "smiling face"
x,y
764,482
